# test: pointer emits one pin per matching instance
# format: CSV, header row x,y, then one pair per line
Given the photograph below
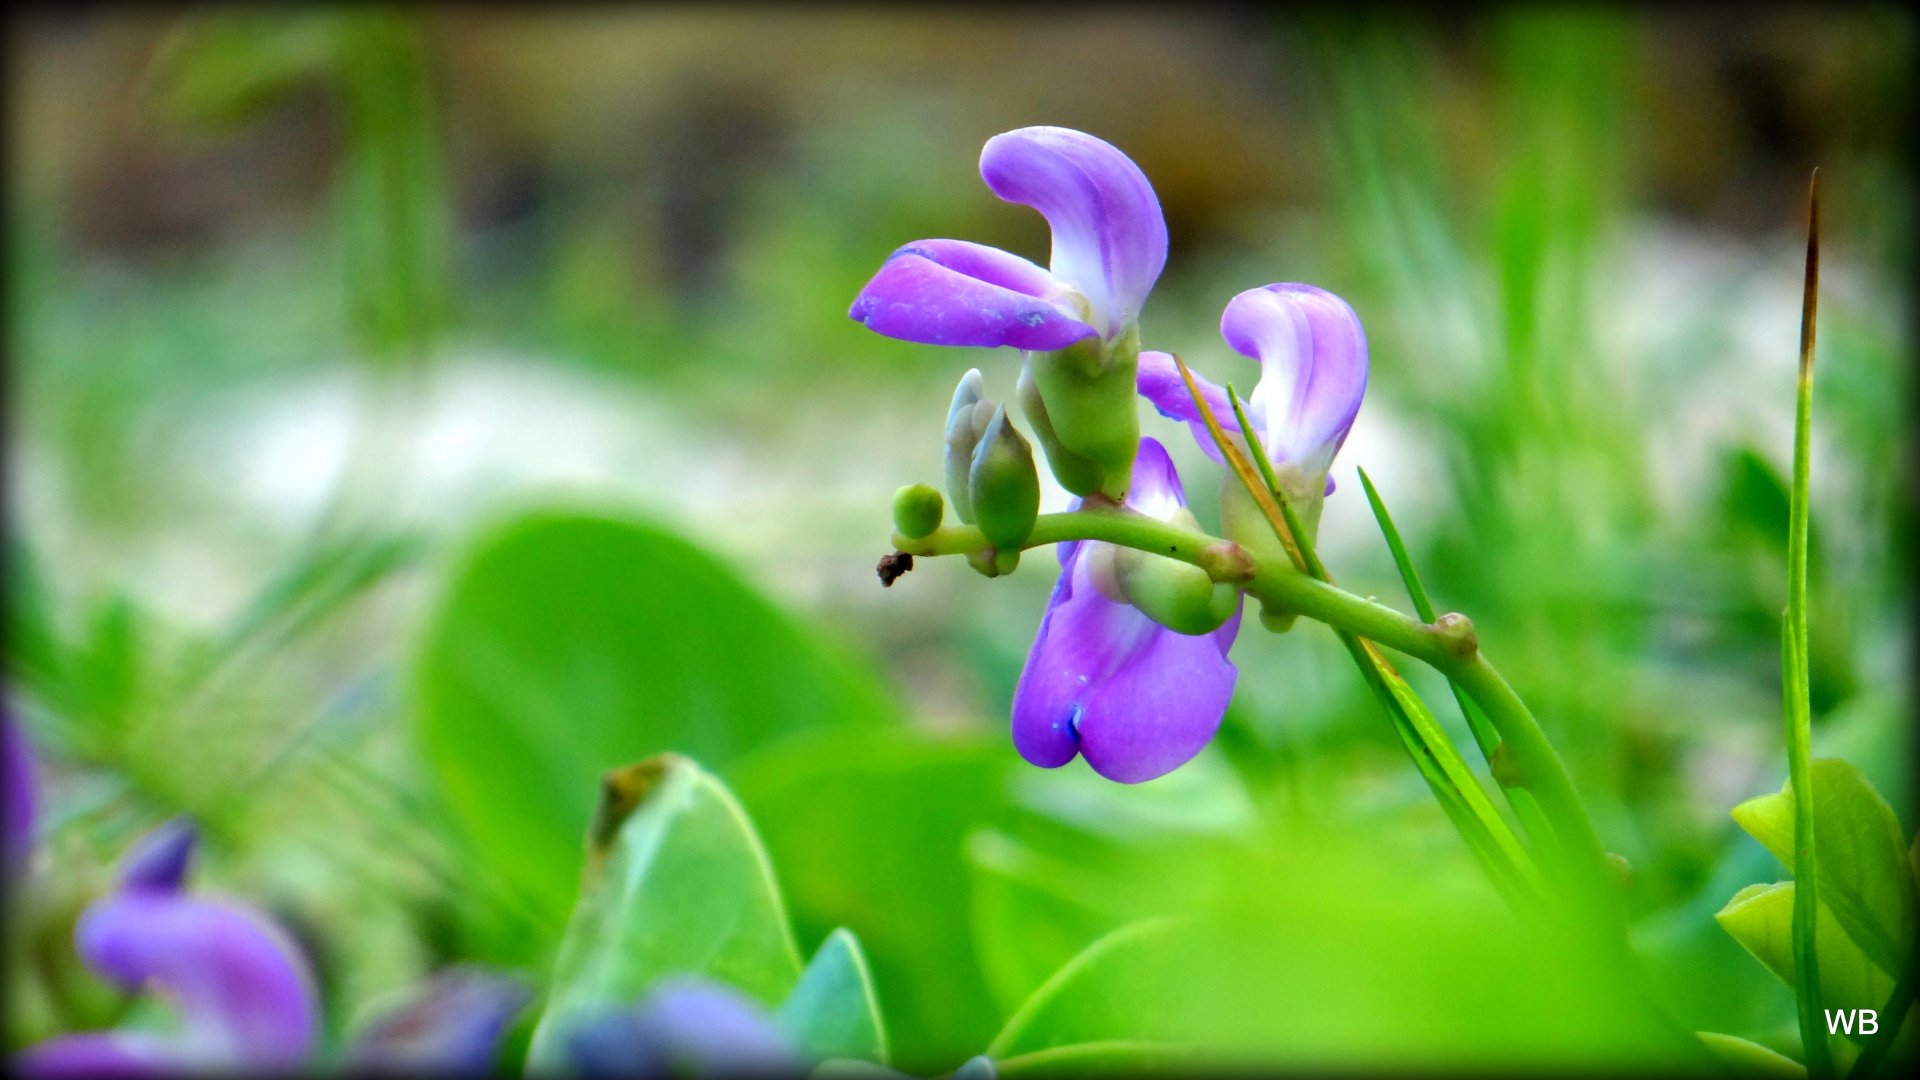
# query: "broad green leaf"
x,y
1105,994
1030,914
1760,917
868,830
833,1012
676,882
1864,876
1750,1058
568,643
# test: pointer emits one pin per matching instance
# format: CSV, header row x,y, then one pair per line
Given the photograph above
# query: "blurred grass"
x,y
1570,235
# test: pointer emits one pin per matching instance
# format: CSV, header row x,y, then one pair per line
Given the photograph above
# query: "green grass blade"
x,y
1798,707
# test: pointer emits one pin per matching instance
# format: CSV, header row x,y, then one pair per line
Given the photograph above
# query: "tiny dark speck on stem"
x,y
892,566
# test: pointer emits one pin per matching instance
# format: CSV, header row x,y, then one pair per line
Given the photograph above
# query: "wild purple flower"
x,y
1076,319
244,996
685,1026
1313,372
1105,681
1109,244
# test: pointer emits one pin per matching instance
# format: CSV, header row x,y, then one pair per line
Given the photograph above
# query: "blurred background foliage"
x,y
414,415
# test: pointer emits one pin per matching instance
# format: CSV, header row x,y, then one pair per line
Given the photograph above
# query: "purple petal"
x,y
97,1054
1160,383
1103,680
451,1027
159,860
1109,238
707,1027
243,991
1313,360
949,292
21,793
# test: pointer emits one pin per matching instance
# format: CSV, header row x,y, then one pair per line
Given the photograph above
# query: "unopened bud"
x,y
1002,484
966,420
1177,595
916,510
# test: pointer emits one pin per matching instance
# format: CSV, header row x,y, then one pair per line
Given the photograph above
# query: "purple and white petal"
x,y
1105,681
950,292
1313,359
102,1054
1109,238
241,986
1160,383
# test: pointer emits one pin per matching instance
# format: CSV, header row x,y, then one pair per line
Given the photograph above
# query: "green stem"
x,y
1450,649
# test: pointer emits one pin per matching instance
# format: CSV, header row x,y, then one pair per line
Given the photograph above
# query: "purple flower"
x,y
451,1026
1313,372
243,993
685,1026
1106,682
1109,244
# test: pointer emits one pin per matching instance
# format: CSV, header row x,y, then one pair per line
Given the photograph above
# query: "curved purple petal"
x,y
1313,361
97,1054
950,292
1109,238
243,991
21,793
159,861
1105,681
451,1027
1160,383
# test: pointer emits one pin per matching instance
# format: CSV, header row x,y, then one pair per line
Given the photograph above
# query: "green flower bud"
x,y
966,419
916,510
1002,484
1242,521
1088,391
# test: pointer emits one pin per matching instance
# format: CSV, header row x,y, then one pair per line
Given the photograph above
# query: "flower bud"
x,y
1088,390
1002,484
966,419
1179,596
916,510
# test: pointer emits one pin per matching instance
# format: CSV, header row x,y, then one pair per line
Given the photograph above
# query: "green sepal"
x,y
1002,484
1075,473
1179,596
1088,389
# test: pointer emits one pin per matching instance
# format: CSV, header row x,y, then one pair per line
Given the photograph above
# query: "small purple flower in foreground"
x,y
1313,373
1106,682
685,1026
243,993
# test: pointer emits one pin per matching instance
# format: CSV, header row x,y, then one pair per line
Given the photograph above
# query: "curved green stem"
x,y
1447,645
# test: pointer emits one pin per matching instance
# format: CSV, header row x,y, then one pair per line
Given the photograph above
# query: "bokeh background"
x,y
412,415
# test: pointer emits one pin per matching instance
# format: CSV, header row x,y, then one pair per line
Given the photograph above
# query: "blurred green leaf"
x,y
676,882
1760,917
1118,1058
223,67
1864,877
1028,917
1091,998
569,643
868,830
833,1012
1750,1058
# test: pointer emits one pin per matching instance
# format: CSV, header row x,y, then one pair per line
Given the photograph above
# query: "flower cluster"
x,y
1129,669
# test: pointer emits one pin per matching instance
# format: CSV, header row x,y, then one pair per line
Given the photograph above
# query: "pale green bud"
x,y
916,510
966,419
1002,484
1177,595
